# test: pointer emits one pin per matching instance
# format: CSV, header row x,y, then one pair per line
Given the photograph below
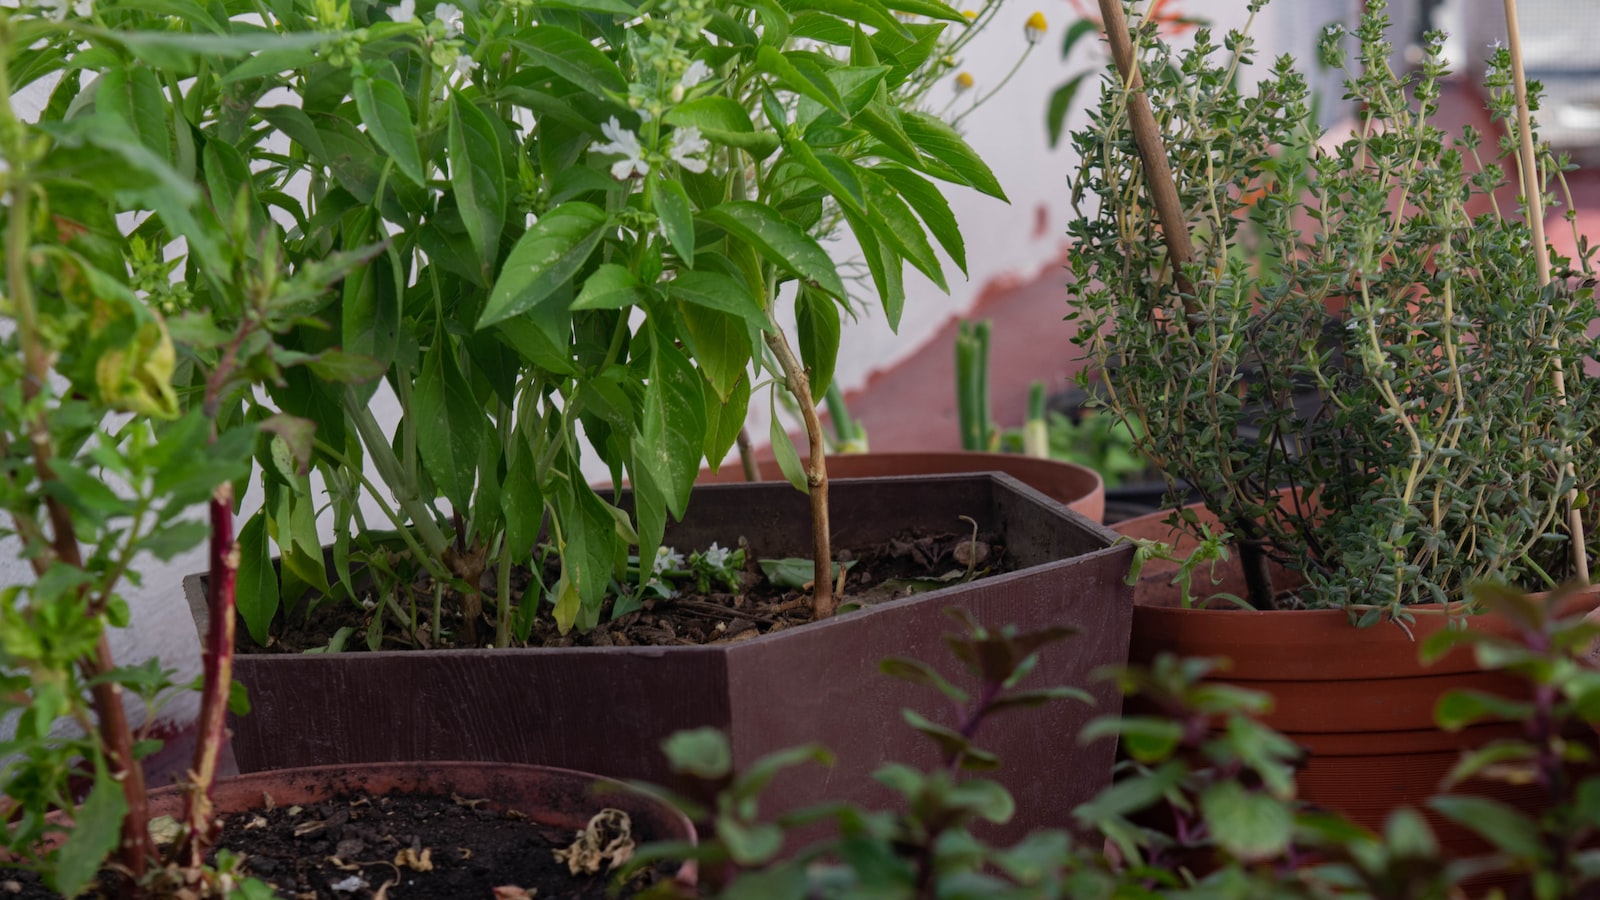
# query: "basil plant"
x,y
587,219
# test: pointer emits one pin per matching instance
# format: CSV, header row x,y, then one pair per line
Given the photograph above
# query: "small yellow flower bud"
x,y
1035,27
963,81
971,14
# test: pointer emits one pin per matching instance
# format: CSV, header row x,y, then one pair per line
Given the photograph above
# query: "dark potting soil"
x,y
896,568
415,847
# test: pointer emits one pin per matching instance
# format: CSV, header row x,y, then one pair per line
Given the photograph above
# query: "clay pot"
x,y
1079,488
1358,699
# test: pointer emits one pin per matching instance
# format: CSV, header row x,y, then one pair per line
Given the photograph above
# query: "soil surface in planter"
x,y
900,567
415,847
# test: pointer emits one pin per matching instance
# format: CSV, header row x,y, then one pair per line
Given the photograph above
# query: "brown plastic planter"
x,y
606,710
1358,699
1080,488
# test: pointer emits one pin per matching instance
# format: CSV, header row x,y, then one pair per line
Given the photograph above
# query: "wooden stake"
x,y
1152,152
1533,194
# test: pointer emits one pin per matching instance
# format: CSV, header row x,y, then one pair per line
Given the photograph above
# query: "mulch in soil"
x,y
416,847
899,567
421,847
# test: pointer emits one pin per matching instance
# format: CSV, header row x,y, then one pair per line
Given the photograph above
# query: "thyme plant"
x,y
1360,320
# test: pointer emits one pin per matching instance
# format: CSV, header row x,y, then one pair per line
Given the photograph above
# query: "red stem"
x,y
217,661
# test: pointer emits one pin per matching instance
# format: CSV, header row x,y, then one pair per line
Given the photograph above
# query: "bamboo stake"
x,y
1152,152
1163,188
1533,193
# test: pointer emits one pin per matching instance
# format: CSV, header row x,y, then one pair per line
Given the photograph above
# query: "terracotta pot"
x,y
1080,488
1358,699
560,798
607,709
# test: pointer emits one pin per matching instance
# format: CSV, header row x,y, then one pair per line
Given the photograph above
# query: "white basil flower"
x,y
56,10
687,145
697,72
450,17
403,12
623,143
463,65
716,557
666,558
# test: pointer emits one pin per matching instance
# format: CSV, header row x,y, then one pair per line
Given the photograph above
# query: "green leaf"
x,y
802,76
572,57
983,798
1251,826
930,8
341,367
546,256
720,343
270,63
256,585
590,535
950,741
836,175
724,419
522,501
930,205
387,115
478,177
1500,824
133,96
451,424
885,266
783,449
1060,104
1458,709
298,127
610,287
918,672
701,752
817,320
796,572
714,290
165,543
936,138
865,12
750,844
649,508
96,827
674,426
780,241
677,218
722,120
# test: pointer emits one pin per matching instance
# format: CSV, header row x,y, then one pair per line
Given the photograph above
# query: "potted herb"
x,y
589,221
1228,235
117,422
